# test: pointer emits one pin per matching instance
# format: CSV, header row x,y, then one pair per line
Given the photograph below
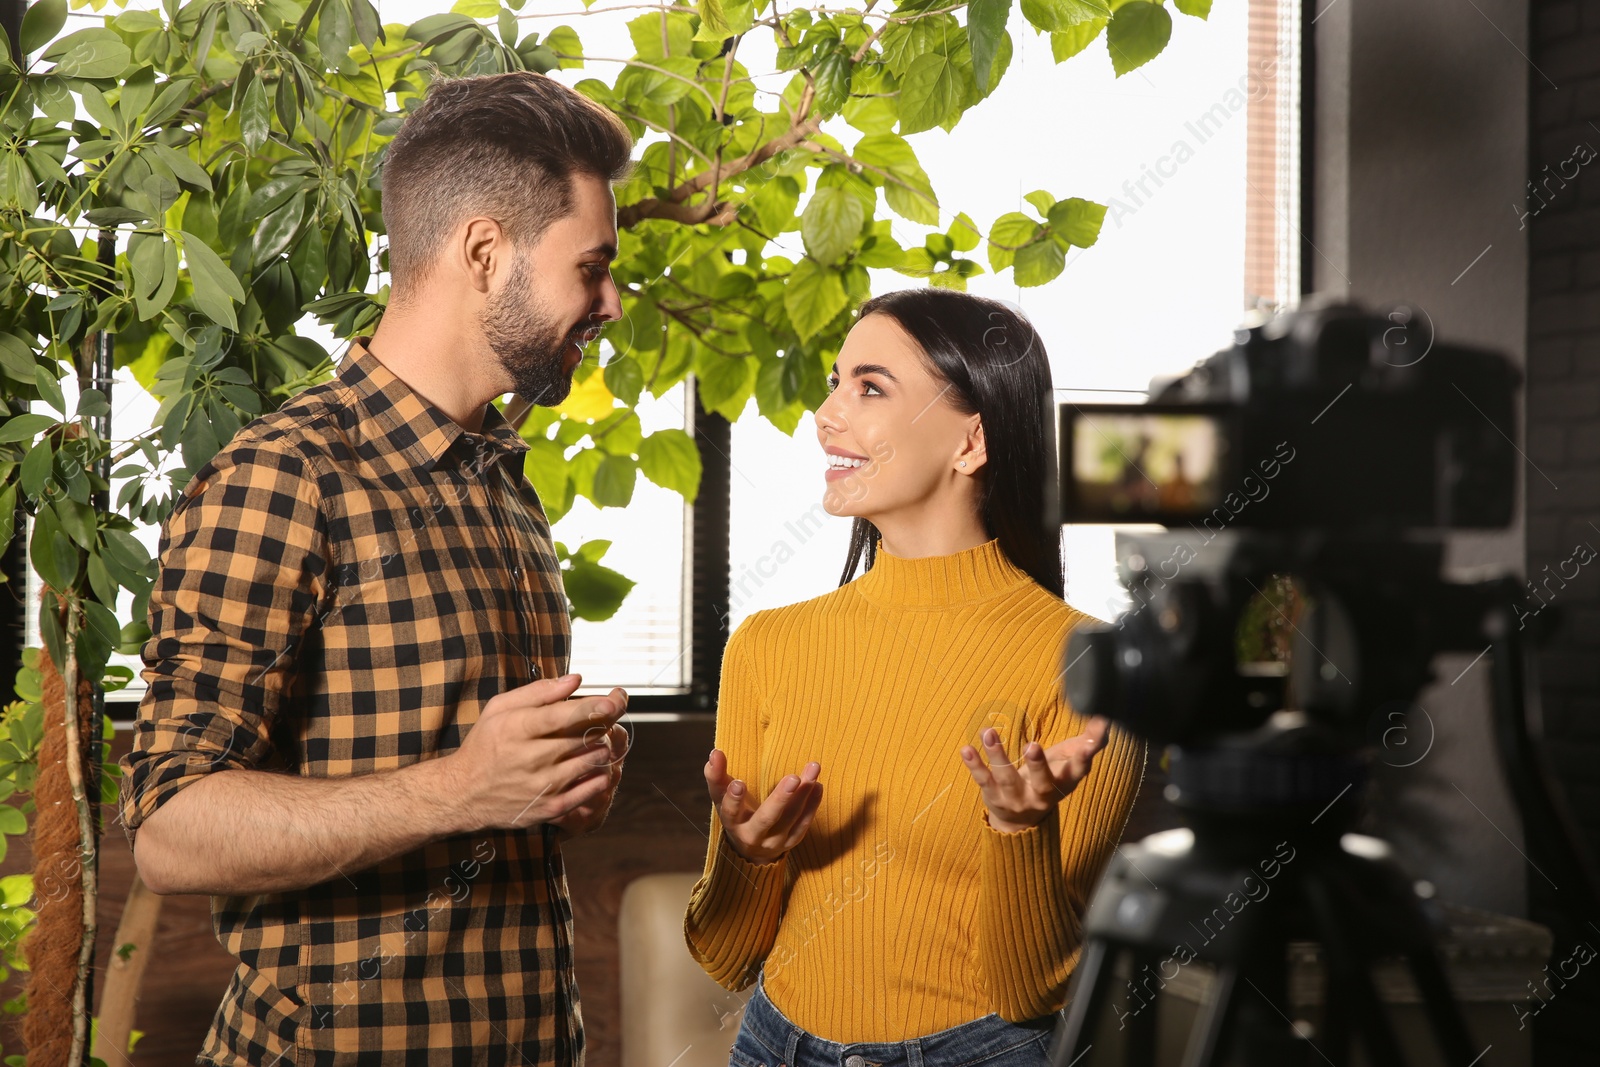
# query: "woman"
x,y
928,911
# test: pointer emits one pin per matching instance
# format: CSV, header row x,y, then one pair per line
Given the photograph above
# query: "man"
x,y
359,735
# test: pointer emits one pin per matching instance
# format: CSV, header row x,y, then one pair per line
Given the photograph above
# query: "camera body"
x,y
1325,418
1304,476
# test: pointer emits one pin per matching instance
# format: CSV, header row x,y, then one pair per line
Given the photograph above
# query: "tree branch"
x,y
718,213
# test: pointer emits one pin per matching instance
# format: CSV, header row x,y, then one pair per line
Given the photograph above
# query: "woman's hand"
x,y
1020,795
762,834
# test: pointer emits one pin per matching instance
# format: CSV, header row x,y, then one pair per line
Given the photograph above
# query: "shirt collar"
x,y
412,425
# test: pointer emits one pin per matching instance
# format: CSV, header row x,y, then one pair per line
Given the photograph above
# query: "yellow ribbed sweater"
x,y
903,912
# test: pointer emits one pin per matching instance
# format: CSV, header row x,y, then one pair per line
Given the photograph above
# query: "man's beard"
x,y
530,343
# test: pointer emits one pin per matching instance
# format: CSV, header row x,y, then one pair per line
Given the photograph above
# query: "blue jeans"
x,y
767,1038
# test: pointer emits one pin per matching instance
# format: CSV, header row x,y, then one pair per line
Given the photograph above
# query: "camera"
x,y
1383,430
1304,475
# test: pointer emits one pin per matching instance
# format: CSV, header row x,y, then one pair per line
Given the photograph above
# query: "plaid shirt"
x,y
342,589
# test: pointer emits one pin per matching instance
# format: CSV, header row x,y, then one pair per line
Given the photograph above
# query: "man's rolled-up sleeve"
x,y
245,576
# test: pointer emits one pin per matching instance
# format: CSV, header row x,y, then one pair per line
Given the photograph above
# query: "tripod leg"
x,y
1349,969
1216,1022
1090,983
1444,1014
1142,1023
1334,1040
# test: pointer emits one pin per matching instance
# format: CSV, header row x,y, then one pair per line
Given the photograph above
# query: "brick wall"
x,y
1563,446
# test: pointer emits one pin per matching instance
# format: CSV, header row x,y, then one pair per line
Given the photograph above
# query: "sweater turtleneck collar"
x,y
940,581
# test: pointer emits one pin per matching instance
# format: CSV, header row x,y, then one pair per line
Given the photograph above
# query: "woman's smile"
x,y
842,464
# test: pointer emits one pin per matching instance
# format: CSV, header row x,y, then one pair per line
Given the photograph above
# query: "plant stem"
x,y
86,841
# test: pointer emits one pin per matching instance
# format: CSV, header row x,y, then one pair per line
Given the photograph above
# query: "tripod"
x,y
1379,612
1234,894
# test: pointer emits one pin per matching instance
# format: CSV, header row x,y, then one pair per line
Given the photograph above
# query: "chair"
x,y
673,1014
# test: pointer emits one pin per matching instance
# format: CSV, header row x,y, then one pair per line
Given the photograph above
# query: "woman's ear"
x,y
972,454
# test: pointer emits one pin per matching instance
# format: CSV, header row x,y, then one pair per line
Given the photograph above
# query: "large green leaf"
x,y
147,261
54,556
1010,233
8,513
216,289
1076,221
547,470
813,296
49,389
186,169
127,551
170,101
12,821
36,467
42,21
77,520
564,39
1038,263
255,115
614,480
671,459
905,183
986,26
1138,32
23,427
831,75
624,378
726,383
369,26
277,230
831,222
657,36
1064,44
930,93
596,592
334,26
1052,15
16,358
96,52
721,19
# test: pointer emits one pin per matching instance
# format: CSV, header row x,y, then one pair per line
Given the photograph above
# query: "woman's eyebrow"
x,y
869,368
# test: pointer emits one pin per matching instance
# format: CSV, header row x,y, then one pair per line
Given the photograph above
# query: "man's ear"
x,y
973,453
482,252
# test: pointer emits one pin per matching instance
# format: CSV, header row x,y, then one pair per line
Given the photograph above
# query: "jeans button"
x,y
853,1060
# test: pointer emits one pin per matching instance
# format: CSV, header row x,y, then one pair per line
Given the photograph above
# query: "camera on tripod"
x,y
1306,477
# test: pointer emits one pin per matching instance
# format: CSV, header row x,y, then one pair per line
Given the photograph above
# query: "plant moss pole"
x,y
60,950
88,845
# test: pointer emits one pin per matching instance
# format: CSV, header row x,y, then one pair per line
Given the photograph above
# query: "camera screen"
x,y
1144,466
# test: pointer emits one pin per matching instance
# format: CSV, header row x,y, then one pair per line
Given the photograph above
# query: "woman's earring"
x,y
963,463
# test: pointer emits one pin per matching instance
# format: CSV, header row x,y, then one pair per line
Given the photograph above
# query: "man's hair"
x,y
505,146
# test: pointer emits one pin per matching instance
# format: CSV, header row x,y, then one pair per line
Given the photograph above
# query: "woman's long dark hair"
x,y
996,366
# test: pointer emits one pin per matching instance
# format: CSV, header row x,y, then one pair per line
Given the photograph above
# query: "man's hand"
x,y
762,834
590,816
535,755
1020,795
